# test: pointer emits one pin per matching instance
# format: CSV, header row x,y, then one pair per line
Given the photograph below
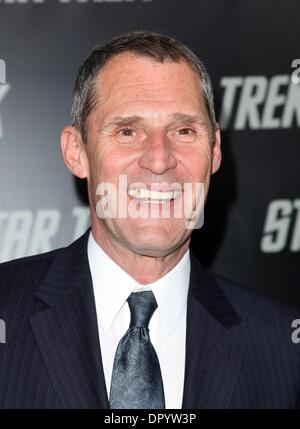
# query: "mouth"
x,y
147,195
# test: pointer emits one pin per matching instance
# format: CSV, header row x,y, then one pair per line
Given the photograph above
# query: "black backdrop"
x,y
252,220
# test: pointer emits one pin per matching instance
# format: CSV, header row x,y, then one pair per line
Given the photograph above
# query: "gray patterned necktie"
x,y
136,377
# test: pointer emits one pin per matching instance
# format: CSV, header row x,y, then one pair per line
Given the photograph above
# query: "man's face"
x,y
151,125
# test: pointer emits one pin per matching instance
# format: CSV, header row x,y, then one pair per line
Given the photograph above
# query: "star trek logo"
x,y
261,102
282,226
4,88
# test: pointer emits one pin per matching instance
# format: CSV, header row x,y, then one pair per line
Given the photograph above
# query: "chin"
x,y
154,245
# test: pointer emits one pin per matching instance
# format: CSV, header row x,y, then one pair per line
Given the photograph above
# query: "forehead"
x,y
130,79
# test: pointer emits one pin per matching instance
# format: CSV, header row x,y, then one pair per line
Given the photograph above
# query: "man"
x,y
126,316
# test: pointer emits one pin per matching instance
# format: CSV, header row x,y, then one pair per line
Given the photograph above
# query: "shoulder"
x,y
35,266
248,303
28,262
252,302
21,276
267,324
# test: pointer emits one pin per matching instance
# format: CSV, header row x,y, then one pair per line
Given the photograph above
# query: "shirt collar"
x,y
112,286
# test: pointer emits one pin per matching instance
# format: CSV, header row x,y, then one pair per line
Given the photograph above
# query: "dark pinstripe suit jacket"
x,y
239,352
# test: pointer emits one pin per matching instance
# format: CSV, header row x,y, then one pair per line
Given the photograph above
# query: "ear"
x,y
73,152
216,152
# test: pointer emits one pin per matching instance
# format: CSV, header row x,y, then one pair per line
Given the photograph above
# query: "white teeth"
x,y
153,195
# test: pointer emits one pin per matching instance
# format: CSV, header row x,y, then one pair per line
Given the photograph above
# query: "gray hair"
x,y
144,43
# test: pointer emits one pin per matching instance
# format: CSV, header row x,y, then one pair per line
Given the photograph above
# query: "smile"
x,y
159,196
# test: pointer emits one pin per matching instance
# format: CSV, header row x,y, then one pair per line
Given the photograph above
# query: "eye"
x,y
126,132
126,135
185,135
185,131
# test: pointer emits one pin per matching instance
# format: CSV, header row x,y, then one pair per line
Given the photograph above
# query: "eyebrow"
x,y
130,120
187,119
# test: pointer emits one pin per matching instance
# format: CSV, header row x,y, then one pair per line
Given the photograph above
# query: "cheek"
x,y
205,152
201,173
198,162
109,169
101,162
111,163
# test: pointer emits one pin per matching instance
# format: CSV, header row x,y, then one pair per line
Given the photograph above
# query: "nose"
x,y
158,155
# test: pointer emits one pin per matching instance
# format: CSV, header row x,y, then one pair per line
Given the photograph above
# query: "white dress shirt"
x,y
112,286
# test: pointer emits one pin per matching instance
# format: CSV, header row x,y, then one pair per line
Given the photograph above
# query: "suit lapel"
x,y
214,354
67,335
67,332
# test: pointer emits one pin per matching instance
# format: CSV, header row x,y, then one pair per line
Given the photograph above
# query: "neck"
x,y
143,268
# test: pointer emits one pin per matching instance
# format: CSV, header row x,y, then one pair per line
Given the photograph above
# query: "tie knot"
x,y
142,306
